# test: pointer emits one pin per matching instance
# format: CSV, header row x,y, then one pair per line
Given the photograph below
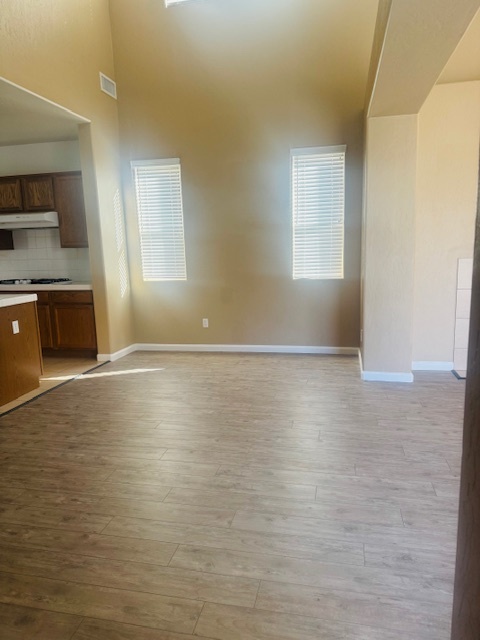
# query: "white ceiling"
x,y
26,118
464,65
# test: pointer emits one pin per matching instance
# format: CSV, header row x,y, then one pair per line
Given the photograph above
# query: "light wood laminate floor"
x,y
230,497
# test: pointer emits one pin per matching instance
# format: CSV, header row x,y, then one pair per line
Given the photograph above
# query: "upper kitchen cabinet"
x,y
70,205
38,193
10,195
61,192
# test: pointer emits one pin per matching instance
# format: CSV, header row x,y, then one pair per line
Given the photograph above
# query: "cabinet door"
x,y
74,326
38,193
71,210
10,195
20,358
45,326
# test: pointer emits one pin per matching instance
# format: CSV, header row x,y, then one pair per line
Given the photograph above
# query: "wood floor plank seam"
x,y
178,635
365,630
93,584
296,585
256,595
196,623
379,626
78,627
270,553
325,538
51,608
77,552
106,525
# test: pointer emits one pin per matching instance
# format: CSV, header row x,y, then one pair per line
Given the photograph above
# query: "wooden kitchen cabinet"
x,y
69,203
73,320
44,320
38,193
20,356
10,195
61,192
66,321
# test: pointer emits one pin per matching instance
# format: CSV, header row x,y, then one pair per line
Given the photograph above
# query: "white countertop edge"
x,y
14,299
75,286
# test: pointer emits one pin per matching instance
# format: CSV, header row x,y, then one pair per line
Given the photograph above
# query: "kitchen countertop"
x,y
74,286
13,299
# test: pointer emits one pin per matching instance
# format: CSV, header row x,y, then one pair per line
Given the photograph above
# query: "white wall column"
x,y
389,248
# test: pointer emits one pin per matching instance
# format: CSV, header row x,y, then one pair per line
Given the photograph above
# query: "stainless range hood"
x,y
43,220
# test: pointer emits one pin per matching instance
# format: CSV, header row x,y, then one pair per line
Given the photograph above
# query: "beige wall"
x,y
230,87
56,49
39,158
448,148
389,244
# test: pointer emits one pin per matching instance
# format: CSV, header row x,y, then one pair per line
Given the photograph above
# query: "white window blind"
x,y
158,187
318,207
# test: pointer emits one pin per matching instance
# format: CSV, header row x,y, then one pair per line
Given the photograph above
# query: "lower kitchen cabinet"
x,y
66,321
72,318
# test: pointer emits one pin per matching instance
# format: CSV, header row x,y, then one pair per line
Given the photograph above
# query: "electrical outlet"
x,y
15,327
205,323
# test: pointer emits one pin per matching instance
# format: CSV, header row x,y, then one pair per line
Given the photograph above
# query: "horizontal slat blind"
x,y
158,186
318,205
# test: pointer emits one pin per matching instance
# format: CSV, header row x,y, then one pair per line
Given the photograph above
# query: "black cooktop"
x,y
36,281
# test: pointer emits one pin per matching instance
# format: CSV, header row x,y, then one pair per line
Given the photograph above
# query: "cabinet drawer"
x,y
71,297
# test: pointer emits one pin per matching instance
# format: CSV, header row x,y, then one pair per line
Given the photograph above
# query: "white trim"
x,y
111,357
432,365
248,348
227,348
81,119
164,162
306,151
382,376
386,376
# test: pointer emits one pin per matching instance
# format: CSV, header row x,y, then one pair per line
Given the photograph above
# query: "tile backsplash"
x,y
38,254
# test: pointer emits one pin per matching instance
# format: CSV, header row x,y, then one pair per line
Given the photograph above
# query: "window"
x,y
158,187
318,204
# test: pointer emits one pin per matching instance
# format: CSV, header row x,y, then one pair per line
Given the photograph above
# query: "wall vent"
x,y
108,86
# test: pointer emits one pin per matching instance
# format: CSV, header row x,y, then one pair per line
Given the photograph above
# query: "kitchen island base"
x,y
20,353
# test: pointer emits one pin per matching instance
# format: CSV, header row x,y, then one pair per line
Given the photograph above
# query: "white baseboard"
x,y
387,376
111,357
227,348
383,376
432,365
248,348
